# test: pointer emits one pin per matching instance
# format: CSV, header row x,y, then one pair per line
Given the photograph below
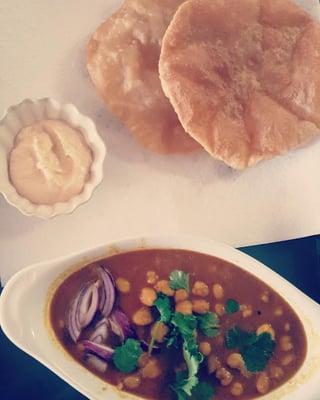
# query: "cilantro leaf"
x,y
192,361
174,340
203,391
231,306
185,323
186,326
164,307
256,350
178,386
209,324
126,357
237,338
179,280
257,355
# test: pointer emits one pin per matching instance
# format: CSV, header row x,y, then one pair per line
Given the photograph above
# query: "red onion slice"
x,y
100,333
88,305
96,363
72,320
107,292
120,325
100,350
82,310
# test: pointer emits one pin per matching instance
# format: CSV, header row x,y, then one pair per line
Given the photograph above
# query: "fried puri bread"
x,y
244,76
122,60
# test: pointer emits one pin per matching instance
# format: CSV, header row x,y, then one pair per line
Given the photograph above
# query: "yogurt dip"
x,y
50,162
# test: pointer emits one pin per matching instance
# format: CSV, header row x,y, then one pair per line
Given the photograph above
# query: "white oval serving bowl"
x,y
28,112
24,302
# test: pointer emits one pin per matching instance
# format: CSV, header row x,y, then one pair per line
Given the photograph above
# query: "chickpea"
x,y
123,285
285,343
213,363
219,309
142,317
263,383
287,359
143,360
200,289
132,381
120,386
200,306
225,376
287,327
236,389
218,291
276,372
163,287
266,328
246,310
180,295
184,307
152,369
61,324
265,297
159,331
205,348
235,360
148,296
152,277
278,312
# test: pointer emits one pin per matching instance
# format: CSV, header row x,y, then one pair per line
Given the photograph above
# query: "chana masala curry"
x,y
176,324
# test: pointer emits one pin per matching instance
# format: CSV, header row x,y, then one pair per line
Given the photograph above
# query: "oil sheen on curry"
x,y
175,324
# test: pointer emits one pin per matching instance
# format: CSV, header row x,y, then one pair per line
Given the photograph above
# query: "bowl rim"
x,y
187,242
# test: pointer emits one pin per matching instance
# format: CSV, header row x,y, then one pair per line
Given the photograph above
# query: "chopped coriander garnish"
x,y
256,350
164,307
126,357
237,338
231,306
209,324
179,280
178,386
203,391
186,324
259,353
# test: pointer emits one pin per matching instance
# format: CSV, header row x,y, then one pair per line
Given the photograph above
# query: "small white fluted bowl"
x,y
29,112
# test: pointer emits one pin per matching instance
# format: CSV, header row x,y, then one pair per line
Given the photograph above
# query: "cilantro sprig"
x,y
126,357
163,306
179,280
209,324
256,350
186,326
231,306
203,391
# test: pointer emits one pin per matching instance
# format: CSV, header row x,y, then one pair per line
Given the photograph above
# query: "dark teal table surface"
x,y
23,378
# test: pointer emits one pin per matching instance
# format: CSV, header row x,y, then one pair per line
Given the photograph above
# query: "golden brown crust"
x,y
123,56
244,76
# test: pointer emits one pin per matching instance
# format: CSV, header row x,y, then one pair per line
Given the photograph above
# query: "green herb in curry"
x,y
256,350
209,324
126,357
231,306
179,280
